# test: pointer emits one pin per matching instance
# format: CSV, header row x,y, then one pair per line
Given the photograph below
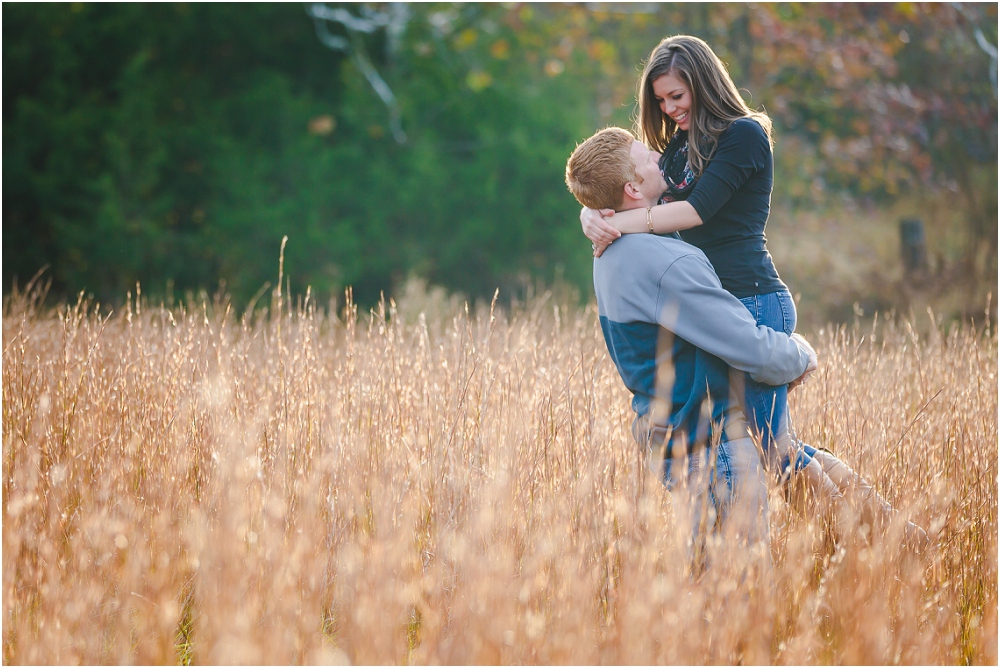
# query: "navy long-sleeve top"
x,y
733,199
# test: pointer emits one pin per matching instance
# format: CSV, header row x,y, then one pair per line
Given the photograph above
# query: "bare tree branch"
x,y
983,43
394,20
380,87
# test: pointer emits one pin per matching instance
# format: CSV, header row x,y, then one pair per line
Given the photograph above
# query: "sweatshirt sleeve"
x,y
692,303
741,152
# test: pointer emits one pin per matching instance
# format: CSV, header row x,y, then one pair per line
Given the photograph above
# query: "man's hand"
x,y
810,367
598,230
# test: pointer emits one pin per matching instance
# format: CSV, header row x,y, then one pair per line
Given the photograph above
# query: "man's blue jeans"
x,y
729,497
716,489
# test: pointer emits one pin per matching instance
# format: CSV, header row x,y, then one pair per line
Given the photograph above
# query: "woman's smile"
x,y
674,98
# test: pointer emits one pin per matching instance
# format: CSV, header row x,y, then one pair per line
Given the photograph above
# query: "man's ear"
x,y
632,191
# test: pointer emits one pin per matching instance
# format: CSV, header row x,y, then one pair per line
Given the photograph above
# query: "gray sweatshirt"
x,y
673,333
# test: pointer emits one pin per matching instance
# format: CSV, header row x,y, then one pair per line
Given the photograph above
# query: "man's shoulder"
x,y
637,248
637,252
638,271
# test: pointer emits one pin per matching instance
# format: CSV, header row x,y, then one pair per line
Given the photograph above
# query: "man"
x,y
675,334
676,337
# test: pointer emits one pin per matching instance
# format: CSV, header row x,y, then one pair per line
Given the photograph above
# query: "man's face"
x,y
647,170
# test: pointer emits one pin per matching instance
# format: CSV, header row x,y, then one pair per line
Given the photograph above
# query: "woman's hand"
x,y
597,229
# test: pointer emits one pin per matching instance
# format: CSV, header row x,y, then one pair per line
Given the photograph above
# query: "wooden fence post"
x,y
913,245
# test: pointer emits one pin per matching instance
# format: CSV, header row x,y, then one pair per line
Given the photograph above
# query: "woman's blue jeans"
x,y
766,406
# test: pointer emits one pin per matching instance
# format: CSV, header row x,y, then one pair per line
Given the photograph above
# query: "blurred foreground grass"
x,y
424,484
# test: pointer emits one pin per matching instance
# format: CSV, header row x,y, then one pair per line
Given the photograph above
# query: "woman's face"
x,y
674,98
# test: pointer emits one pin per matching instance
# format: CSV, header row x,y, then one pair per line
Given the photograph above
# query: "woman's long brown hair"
x,y
715,102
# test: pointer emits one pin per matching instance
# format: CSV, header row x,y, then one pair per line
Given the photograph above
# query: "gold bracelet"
x,y
649,219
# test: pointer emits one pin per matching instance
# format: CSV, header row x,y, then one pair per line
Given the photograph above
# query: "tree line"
x,y
176,145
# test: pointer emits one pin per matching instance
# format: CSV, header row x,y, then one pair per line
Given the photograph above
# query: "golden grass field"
x,y
313,485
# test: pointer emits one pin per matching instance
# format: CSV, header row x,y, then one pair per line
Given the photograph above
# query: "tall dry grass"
x,y
296,486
